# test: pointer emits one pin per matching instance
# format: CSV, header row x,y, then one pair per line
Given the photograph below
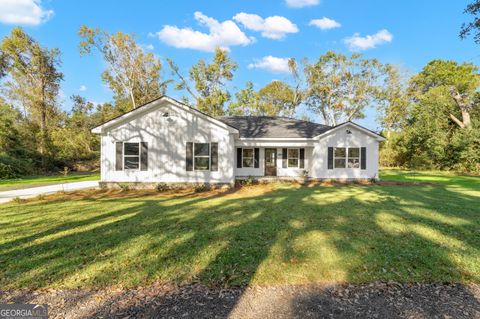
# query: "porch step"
x,y
271,179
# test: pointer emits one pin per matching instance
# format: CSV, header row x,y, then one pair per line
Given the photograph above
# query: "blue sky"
x,y
259,34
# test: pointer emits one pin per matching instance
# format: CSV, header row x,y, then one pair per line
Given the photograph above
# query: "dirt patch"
x,y
376,300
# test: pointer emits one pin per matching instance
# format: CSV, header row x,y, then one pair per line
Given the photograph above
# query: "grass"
x,y
264,234
34,181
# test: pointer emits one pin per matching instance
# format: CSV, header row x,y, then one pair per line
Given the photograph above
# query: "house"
x,y
165,141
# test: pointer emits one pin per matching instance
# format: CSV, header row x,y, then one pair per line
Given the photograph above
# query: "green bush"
x,y
162,187
465,148
201,188
11,167
7,171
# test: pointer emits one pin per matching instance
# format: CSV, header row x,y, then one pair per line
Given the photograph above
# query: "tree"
x,y
340,87
74,140
472,9
278,99
394,100
246,102
461,81
132,74
209,89
9,118
3,64
34,80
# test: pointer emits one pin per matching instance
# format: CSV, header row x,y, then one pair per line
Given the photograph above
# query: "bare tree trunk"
x,y
466,118
464,107
133,99
454,118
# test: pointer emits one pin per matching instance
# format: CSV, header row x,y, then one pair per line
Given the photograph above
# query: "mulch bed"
x,y
376,300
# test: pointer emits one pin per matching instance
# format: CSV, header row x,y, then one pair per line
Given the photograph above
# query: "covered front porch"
x,y
273,162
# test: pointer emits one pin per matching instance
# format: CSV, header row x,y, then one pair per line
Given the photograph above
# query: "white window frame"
x,y
203,156
297,158
354,157
139,154
253,157
346,158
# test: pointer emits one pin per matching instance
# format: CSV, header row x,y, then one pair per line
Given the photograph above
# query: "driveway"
x,y
7,196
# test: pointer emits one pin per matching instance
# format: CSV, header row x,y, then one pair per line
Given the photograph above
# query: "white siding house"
x,y
166,141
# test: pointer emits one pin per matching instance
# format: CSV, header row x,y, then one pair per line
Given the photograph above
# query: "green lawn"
x,y
261,234
34,181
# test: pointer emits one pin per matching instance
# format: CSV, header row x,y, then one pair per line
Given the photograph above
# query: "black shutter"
x,y
189,156
302,158
144,156
363,158
239,157
119,156
330,158
257,158
284,157
214,155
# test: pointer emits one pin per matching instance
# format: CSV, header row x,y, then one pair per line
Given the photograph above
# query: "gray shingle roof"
x,y
272,126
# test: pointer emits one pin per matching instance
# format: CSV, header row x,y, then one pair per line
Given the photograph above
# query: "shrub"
x,y
248,181
11,167
162,187
7,171
124,187
201,188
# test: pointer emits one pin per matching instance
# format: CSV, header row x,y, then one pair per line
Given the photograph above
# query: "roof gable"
x,y
155,104
349,123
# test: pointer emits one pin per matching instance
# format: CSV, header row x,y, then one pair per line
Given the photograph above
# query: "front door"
x,y
270,162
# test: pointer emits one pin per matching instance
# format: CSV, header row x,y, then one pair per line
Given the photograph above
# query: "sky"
x,y
260,35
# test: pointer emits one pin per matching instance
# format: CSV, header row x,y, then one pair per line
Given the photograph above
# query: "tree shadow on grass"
x,y
291,235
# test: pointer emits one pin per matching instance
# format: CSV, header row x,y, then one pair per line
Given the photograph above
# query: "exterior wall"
x,y
281,172
166,138
340,138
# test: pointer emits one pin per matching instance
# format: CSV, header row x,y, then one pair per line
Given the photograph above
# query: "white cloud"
x,y
358,43
272,64
149,47
24,12
82,88
221,34
325,23
275,27
301,3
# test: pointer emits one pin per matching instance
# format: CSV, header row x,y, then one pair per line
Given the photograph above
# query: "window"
x,y
131,155
248,157
201,156
353,157
292,157
346,157
340,157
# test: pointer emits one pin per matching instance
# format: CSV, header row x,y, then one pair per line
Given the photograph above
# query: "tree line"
x,y
431,119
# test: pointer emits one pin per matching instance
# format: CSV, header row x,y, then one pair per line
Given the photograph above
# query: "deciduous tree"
x,y
33,81
207,82
132,74
461,81
339,87
472,26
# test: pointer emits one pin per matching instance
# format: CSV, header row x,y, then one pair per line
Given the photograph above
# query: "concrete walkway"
x,y
49,189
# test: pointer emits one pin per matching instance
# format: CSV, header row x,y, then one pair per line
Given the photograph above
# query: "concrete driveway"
x,y
7,196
